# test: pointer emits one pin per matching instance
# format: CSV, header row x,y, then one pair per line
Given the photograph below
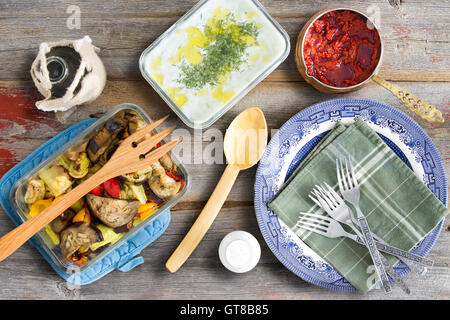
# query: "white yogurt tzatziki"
x,y
205,63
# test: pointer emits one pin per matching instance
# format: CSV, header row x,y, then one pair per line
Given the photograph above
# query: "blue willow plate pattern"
x,y
298,136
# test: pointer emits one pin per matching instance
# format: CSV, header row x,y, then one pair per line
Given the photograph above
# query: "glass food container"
x,y
18,191
210,58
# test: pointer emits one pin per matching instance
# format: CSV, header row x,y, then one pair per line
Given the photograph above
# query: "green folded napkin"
x,y
399,207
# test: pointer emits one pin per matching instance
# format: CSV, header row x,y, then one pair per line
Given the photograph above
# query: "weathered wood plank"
x,y
26,275
151,281
19,117
278,100
417,46
416,39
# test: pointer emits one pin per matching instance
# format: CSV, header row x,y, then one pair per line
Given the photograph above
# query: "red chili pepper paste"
x,y
340,49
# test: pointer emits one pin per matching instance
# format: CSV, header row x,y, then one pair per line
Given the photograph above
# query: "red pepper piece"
x,y
98,190
174,177
112,187
159,143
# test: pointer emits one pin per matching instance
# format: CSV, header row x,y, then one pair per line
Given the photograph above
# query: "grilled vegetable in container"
x,y
112,208
112,212
138,177
79,234
108,235
79,167
139,192
161,184
82,216
77,206
101,141
56,179
64,220
35,191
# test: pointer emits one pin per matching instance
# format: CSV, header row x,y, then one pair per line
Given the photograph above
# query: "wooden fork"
x,y
130,156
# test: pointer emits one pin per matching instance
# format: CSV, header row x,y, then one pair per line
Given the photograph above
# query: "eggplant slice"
x,y
77,235
102,139
161,184
112,212
73,153
168,164
63,220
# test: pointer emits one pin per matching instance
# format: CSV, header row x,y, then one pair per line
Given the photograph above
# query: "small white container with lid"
x,y
239,251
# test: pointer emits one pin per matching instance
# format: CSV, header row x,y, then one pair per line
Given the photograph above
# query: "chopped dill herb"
x,y
228,41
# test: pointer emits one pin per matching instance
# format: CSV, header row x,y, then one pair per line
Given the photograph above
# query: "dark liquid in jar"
x,y
341,49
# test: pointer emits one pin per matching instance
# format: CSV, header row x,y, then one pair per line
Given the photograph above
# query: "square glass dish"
x,y
213,56
18,191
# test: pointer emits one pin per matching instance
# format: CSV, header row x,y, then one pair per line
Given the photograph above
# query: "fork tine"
x,y
355,181
148,144
317,217
345,173
159,152
323,233
322,202
316,190
335,195
339,176
349,174
144,131
329,196
315,222
153,156
325,197
314,199
311,225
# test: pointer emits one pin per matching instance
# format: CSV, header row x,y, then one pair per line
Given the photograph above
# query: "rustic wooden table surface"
x,y
417,58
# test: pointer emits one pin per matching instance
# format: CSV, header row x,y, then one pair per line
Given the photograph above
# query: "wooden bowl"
x,y
299,58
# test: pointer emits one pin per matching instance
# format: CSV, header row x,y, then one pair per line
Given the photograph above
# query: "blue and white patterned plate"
x,y
298,136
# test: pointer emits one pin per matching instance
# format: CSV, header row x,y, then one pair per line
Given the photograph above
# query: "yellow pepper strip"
x,y
147,206
145,211
82,216
147,214
39,206
52,235
109,236
83,249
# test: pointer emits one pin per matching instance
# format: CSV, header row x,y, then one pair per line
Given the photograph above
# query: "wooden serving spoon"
x,y
244,144
132,155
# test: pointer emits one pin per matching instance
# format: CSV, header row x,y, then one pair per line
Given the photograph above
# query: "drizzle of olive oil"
x,y
155,63
223,96
251,14
159,78
254,57
223,41
191,51
178,98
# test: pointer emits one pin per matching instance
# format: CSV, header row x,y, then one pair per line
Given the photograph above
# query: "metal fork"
x,y
349,187
331,228
333,204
